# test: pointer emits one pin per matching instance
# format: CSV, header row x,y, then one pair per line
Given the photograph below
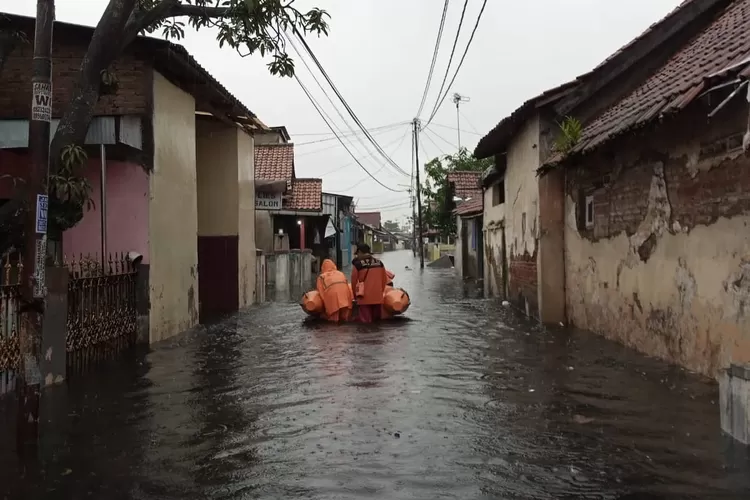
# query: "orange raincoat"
x,y
335,291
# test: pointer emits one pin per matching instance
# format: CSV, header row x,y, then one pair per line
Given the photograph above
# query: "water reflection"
x,y
462,400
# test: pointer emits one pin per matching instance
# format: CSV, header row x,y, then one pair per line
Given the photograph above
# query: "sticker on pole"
x,y
40,263
42,202
41,102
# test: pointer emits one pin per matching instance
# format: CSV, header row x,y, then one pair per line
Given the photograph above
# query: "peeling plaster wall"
x,y
666,267
494,272
522,216
173,214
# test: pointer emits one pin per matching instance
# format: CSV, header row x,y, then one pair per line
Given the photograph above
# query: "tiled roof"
x,y
723,43
307,194
275,162
370,218
465,182
471,207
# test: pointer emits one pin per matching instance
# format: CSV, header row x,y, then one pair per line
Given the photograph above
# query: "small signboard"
x,y
42,202
40,277
330,229
41,102
267,201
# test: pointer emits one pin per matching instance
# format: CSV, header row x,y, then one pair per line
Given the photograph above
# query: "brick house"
x,y
179,173
466,193
523,221
657,206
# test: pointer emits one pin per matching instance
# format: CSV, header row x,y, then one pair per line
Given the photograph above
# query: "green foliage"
x,y
391,226
69,190
248,26
438,202
570,133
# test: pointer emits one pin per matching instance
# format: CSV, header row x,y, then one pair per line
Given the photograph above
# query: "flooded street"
x,y
464,400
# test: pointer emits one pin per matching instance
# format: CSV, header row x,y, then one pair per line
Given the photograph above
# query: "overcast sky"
x,y
378,55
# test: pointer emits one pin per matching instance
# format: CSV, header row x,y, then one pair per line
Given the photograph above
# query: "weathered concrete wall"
x,y
522,217
173,213
246,190
217,174
264,230
666,266
458,256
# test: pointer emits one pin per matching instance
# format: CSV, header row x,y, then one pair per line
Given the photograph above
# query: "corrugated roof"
x,y
465,182
679,82
307,194
275,162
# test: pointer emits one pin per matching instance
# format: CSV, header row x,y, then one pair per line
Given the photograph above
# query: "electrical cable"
x,y
455,129
370,154
440,137
460,63
322,115
374,131
435,144
333,138
453,52
346,105
381,168
434,58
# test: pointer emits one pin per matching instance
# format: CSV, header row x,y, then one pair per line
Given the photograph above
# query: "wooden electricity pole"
x,y
420,238
33,289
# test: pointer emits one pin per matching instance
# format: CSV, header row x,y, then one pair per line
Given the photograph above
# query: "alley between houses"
x,y
463,400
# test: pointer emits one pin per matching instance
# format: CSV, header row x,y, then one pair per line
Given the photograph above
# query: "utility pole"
x,y
457,100
420,239
33,289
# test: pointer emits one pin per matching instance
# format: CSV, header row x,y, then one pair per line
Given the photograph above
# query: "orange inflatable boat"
x,y
395,302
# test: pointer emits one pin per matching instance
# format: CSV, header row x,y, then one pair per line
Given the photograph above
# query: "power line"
x,y
346,105
322,115
455,129
450,59
439,137
469,122
460,63
328,133
381,168
369,154
374,131
320,86
347,136
434,58
434,144
383,207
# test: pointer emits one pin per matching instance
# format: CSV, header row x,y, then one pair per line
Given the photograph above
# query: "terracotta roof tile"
x,y
465,182
275,162
369,218
680,80
307,194
471,207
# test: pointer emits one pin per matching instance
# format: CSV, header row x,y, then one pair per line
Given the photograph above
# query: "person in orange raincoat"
x,y
368,282
335,291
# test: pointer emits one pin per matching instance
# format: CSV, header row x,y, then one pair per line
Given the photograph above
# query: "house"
x,y
176,149
642,221
523,223
369,223
466,193
289,212
657,205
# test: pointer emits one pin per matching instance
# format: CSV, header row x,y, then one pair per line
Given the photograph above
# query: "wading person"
x,y
368,282
335,292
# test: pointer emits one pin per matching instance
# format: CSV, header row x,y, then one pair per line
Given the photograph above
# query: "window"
x,y
589,207
498,193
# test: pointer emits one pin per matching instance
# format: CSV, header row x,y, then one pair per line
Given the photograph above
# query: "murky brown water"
x,y
464,401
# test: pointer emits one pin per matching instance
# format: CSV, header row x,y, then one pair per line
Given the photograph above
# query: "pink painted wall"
x,y
127,213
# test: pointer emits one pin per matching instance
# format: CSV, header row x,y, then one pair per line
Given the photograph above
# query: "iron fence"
x,y
10,299
101,309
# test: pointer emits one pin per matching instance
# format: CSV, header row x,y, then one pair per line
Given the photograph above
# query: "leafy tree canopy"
x,y
439,205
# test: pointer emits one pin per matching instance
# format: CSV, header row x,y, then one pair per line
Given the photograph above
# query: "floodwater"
x,y
463,401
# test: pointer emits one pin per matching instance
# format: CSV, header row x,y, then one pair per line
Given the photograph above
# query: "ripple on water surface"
x,y
464,400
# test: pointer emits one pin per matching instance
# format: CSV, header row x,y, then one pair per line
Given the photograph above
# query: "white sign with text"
x,y
267,201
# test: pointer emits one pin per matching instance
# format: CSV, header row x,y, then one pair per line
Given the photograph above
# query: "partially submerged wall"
x,y
665,268
173,214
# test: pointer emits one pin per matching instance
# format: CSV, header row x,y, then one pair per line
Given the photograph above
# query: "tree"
x,y
247,26
439,205
391,226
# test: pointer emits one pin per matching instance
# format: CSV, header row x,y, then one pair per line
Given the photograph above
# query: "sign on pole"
x,y
42,202
41,102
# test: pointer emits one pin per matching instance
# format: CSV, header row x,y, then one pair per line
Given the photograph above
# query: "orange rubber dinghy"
x,y
312,303
395,301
